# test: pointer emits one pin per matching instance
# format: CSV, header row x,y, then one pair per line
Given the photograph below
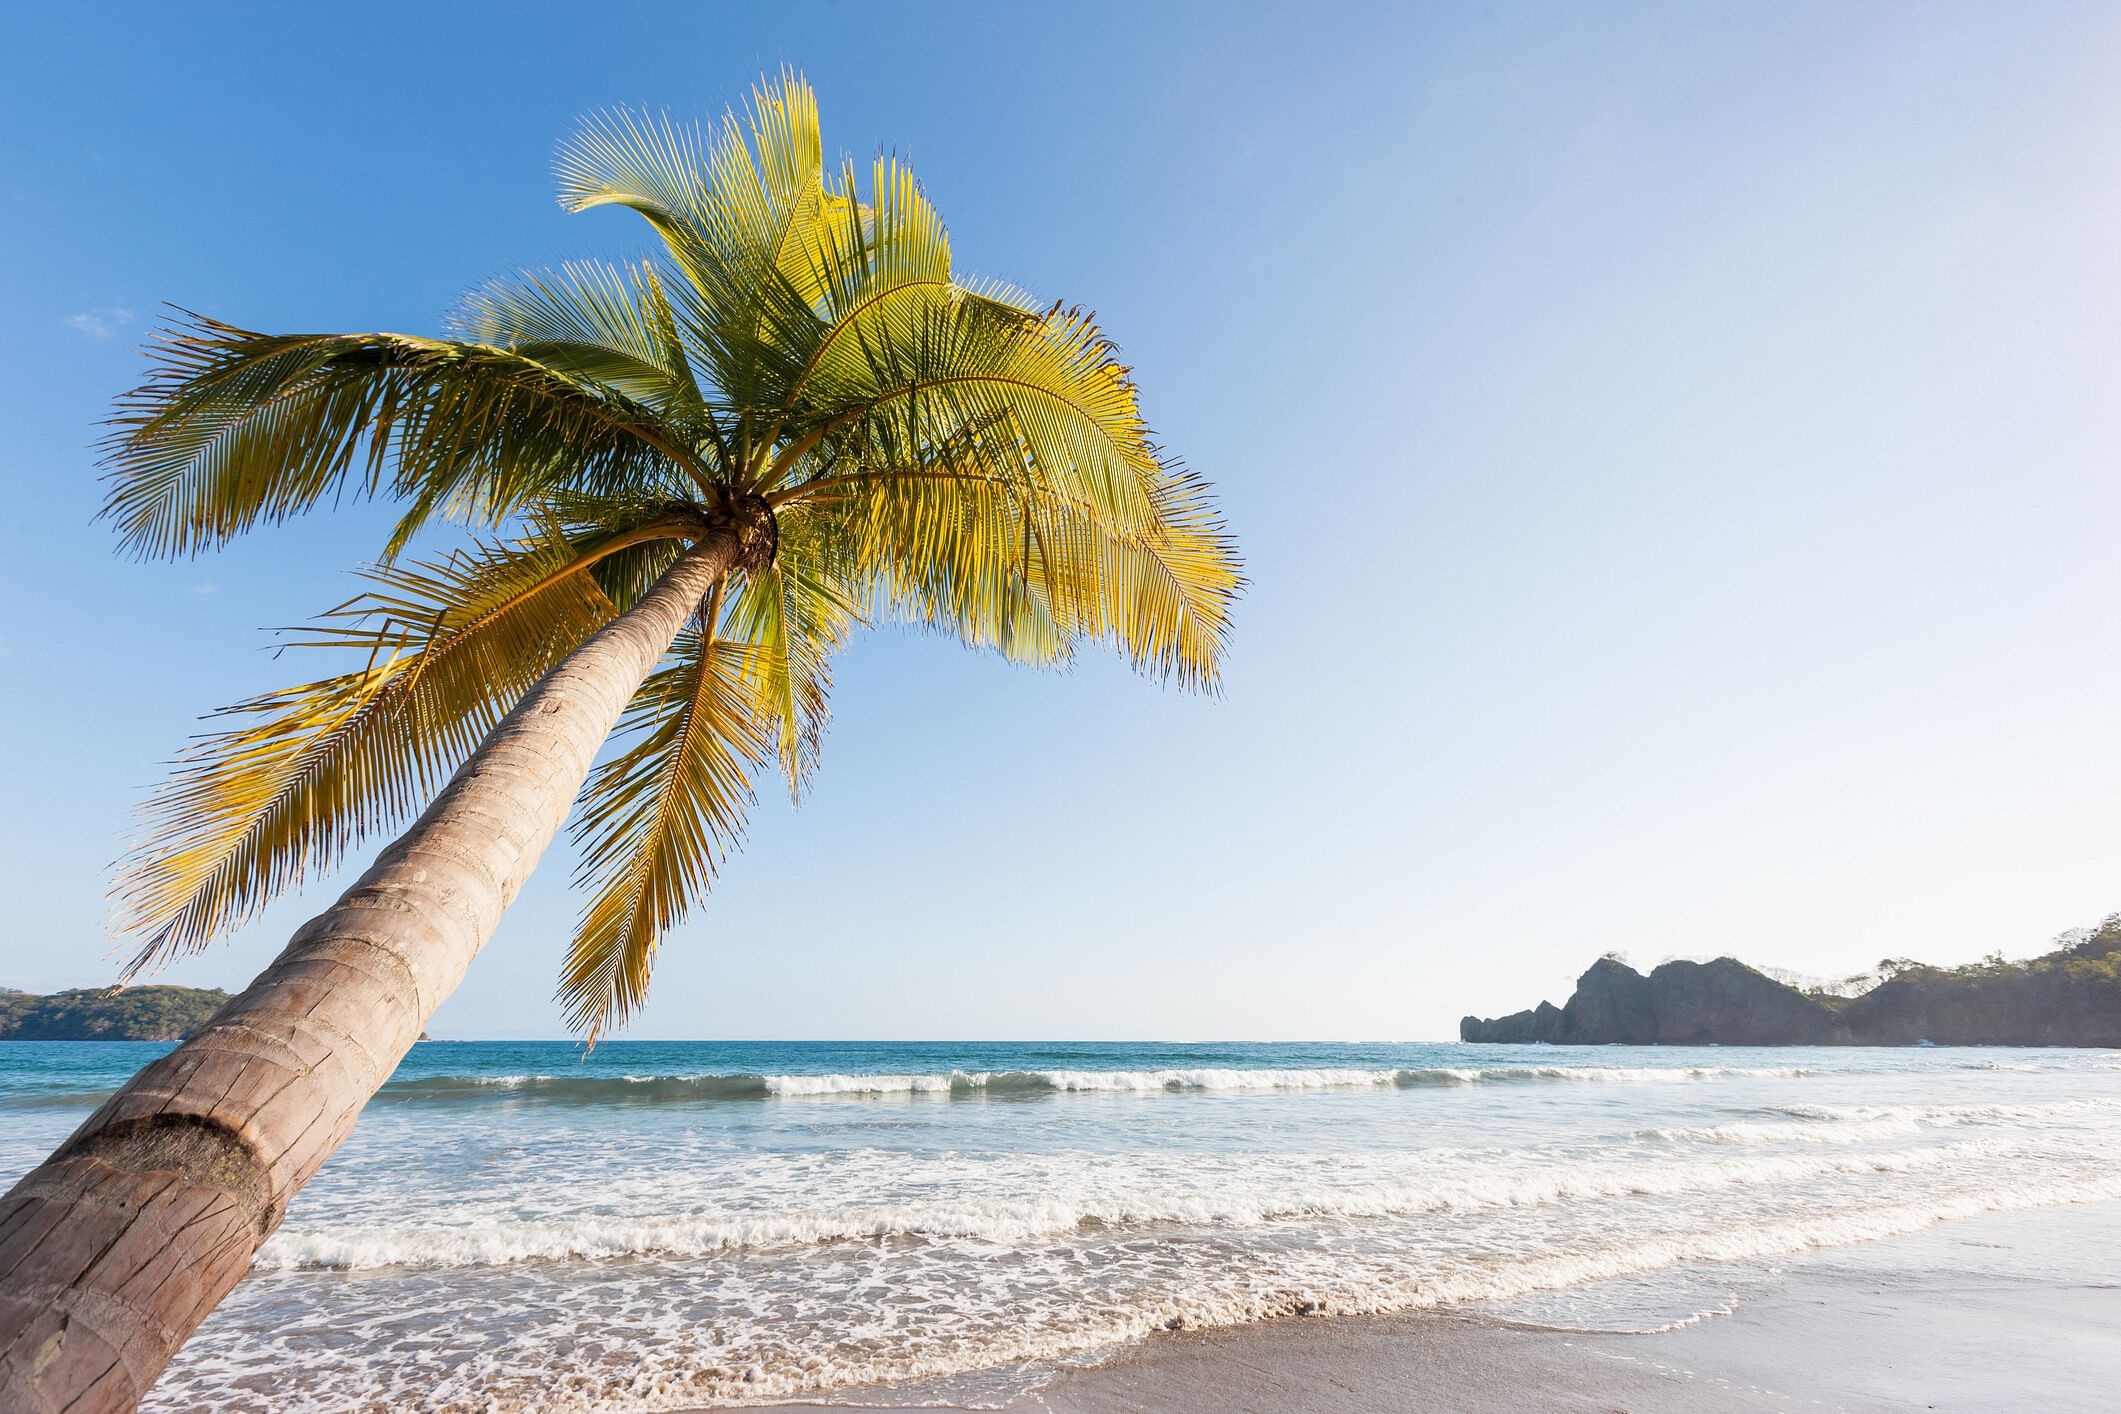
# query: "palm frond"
x,y
610,326
1044,400
881,271
1009,490
965,554
794,615
1008,563
235,428
736,211
301,774
719,202
657,818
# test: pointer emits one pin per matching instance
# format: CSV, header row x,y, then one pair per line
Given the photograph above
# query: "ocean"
x,y
665,1225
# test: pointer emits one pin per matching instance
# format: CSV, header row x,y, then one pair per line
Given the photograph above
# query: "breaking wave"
x,y
1239,1202
680,1089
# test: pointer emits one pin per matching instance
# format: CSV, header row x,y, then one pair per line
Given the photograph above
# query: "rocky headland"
x,y
107,1014
2068,997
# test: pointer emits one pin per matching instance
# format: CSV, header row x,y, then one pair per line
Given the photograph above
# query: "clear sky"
x,y
1674,449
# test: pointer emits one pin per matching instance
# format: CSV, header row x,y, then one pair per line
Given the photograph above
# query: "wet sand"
x,y
2021,1312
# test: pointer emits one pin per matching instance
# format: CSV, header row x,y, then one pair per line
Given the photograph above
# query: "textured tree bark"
x,y
118,1245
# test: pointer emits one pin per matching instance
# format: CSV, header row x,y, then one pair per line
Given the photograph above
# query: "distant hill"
x,y
2068,997
99,1014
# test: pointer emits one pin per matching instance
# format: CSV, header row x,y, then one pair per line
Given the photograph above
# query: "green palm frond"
x,y
592,321
235,428
657,818
301,774
736,211
722,202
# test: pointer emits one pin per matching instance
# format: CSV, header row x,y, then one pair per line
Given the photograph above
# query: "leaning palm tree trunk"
x,y
117,1246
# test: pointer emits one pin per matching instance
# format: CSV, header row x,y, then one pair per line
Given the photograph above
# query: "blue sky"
x,y
1673,446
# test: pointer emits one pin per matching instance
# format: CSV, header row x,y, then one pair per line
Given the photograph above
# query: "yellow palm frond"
x,y
1004,486
794,615
302,773
965,554
656,819
1044,400
1007,563
882,271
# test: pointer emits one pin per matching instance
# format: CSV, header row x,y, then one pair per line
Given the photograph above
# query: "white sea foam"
x,y
1770,1132
797,1085
1241,1199
1946,1114
669,1375
1858,1124
557,1239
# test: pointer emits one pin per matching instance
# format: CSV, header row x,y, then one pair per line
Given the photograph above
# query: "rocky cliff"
x,y
2069,997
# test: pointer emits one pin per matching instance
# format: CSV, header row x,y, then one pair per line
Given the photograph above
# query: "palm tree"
x,y
688,481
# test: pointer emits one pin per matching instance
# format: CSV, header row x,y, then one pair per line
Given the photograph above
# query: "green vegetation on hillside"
x,y
2090,955
102,1014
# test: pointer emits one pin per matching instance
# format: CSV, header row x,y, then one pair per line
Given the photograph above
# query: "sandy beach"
x,y
2015,1312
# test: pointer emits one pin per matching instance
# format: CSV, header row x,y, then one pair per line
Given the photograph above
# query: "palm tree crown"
x,y
894,443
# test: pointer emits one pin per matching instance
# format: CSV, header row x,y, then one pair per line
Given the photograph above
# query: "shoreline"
x,y
2011,1311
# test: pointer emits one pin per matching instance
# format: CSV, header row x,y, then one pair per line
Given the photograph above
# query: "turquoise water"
x,y
513,1227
